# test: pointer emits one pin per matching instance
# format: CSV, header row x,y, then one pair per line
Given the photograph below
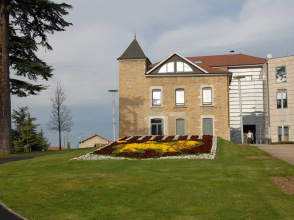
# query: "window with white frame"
x,y
183,67
170,67
207,96
279,99
180,97
167,68
156,97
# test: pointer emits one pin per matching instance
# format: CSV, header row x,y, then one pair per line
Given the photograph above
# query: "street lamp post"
x,y
113,102
240,104
282,107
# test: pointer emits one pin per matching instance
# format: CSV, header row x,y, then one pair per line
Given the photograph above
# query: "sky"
x,y
84,57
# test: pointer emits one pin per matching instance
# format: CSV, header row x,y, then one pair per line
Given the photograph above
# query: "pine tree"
x,y
29,137
18,118
43,142
24,27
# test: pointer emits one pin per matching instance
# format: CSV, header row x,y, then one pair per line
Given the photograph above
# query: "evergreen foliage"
x,y
18,118
25,132
43,142
30,23
29,136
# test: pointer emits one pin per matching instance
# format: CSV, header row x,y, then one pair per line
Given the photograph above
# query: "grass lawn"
x,y
38,152
229,187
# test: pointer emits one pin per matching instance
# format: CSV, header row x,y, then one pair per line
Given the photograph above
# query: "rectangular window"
x,y
286,133
180,123
281,75
156,97
207,96
279,99
207,126
180,97
156,126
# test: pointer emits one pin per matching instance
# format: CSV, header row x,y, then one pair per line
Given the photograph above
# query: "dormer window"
x,y
183,67
167,68
170,67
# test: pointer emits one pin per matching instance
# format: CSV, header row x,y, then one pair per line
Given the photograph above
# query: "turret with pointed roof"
x,y
134,51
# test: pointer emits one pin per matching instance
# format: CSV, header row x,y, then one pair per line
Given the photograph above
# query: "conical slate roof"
x,y
134,51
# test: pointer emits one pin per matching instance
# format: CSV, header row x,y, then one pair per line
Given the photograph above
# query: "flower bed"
x,y
157,147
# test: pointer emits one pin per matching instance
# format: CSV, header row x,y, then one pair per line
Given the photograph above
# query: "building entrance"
x,y
246,128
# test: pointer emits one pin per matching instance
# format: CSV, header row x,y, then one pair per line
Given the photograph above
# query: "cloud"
x,y
84,57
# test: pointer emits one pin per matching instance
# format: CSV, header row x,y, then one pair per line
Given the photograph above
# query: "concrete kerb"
x,y
8,211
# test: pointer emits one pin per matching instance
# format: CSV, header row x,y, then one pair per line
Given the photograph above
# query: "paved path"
x,y
5,212
284,151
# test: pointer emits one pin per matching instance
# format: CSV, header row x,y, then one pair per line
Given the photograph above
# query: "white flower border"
x,y
210,156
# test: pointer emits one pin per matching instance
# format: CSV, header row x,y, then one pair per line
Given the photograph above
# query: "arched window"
x,y
183,67
167,68
170,67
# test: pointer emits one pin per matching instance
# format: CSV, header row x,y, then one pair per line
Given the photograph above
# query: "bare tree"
x,y
60,119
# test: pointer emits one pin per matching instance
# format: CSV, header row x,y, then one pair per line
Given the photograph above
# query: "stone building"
x,y
281,85
189,95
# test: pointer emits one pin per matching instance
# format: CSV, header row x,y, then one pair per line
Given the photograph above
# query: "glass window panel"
x,y
180,67
281,75
153,129
162,69
180,123
171,67
279,103
159,131
187,68
207,126
180,97
206,96
286,133
156,97
157,127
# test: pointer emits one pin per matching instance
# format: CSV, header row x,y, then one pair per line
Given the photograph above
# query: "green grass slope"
x,y
229,187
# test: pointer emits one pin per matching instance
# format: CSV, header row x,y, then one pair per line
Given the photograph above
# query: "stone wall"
x,y
136,110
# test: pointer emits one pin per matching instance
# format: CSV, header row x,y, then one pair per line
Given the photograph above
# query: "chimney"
x,y
232,52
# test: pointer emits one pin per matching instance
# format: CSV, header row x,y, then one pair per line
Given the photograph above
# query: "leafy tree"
x,y
29,136
60,119
43,142
25,25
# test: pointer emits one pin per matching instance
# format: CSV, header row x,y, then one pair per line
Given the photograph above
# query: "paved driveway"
x,y
284,152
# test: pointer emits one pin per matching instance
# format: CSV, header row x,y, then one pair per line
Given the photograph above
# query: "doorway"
x,y
246,128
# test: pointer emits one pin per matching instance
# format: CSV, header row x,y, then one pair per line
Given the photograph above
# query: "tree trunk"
x,y
5,102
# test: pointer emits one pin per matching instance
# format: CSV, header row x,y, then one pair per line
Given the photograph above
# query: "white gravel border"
x,y
210,156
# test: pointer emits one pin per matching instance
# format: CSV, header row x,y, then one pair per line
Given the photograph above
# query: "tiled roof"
x,y
208,62
228,60
56,148
134,51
